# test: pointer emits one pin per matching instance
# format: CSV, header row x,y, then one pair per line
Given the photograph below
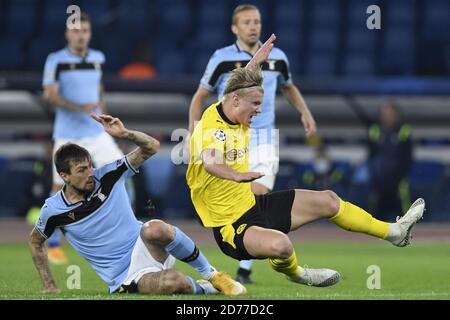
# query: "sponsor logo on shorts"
x,y
241,228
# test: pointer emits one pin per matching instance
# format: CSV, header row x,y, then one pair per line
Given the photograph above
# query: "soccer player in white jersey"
x,y
72,83
94,213
263,146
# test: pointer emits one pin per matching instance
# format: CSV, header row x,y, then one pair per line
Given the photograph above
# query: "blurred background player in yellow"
x,y
390,158
72,84
246,226
264,155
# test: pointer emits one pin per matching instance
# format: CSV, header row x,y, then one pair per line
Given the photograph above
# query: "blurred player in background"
x,y
323,174
94,212
263,157
390,156
73,85
246,226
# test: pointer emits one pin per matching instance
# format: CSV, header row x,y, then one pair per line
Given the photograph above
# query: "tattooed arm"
x,y
147,146
36,244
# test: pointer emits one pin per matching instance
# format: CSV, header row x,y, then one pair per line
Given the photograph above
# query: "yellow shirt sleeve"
x,y
210,138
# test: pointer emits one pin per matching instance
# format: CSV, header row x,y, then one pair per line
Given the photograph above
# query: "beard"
x,y
84,192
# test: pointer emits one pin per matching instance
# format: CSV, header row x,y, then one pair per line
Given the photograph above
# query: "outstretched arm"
x,y
147,146
360,112
263,53
213,162
38,252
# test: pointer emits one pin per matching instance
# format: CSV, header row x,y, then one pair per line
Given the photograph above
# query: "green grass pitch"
x,y
420,271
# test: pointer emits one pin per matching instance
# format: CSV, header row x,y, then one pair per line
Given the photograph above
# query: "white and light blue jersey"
x,y
79,81
276,73
102,228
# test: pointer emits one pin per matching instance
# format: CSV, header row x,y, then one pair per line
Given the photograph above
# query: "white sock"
x,y
394,232
210,274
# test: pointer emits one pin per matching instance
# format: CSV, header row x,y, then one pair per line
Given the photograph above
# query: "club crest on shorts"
x,y
241,228
220,135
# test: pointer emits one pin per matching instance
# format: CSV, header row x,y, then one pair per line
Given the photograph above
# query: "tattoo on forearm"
x,y
145,142
40,259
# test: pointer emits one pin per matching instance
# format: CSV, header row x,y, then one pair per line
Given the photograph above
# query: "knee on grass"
x,y
173,281
168,282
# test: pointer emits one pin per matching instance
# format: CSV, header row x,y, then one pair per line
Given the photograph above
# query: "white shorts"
x,y
142,262
265,159
103,150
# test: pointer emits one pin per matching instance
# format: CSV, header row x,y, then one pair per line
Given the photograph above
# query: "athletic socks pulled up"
x,y
184,249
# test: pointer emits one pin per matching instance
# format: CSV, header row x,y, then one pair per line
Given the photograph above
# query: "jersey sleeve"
x,y
116,170
49,76
210,80
212,138
101,57
42,224
285,77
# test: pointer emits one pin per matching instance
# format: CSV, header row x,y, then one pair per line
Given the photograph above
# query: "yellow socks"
x,y
353,218
287,266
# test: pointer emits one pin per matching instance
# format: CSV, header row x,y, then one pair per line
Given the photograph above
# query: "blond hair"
x,y
240,8
244,78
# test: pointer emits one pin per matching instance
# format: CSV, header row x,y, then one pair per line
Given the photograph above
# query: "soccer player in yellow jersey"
x,y
246,226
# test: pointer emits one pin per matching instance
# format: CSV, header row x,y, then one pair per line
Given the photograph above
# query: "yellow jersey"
x,y
218,201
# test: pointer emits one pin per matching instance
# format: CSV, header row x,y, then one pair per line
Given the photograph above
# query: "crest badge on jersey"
x,y
119,162
220,135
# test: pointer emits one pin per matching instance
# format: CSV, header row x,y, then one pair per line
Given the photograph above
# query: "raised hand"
x,y
112,125
263,53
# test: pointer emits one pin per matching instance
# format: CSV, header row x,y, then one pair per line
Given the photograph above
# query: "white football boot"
x,y
405,223
316,277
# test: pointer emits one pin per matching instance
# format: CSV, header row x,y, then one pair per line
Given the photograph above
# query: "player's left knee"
x,y
332,203
157,231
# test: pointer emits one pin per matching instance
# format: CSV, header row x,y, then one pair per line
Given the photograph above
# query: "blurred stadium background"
x,y
335,60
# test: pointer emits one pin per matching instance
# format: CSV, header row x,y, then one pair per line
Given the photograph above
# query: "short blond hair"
x,y
240,8
244,78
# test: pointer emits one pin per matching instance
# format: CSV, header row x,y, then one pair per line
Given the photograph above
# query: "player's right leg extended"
x,y
309,206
